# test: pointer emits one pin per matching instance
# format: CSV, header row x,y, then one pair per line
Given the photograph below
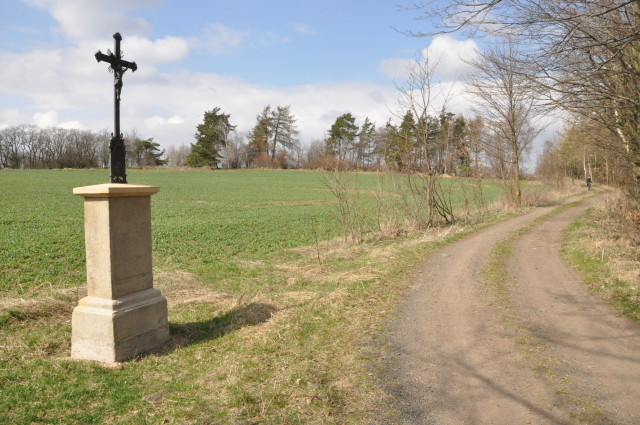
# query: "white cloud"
x,y
12,116
192,94
395,68
175,120
69,125
168,106
163,50
45,119
66,87
452,56
157,121
449,57
219,39
53,79
81,19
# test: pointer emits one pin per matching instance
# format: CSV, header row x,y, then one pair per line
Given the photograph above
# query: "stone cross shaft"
x,y
118,66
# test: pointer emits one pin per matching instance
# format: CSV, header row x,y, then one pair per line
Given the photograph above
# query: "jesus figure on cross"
x,y
118,66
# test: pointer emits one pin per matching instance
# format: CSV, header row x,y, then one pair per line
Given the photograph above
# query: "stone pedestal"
x,y
122,315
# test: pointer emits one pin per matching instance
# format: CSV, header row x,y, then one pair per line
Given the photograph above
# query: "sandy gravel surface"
x,y
558,356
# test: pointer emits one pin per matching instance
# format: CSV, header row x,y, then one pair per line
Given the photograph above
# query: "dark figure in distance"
x,y
588,183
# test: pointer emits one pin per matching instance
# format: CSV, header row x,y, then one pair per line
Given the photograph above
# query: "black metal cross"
x,y
118,66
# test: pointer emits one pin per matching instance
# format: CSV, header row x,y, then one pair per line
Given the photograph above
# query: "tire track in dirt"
x,y
595,350
453,357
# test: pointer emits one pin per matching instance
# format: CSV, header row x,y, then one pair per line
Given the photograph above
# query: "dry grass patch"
x,y
604,246
185,288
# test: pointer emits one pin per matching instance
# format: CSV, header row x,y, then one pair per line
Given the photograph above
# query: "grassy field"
x,y
273,319
203,222
200,221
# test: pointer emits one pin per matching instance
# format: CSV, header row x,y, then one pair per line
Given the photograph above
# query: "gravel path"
x,y
557,355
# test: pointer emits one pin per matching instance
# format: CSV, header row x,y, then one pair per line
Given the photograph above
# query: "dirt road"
x,y
545,352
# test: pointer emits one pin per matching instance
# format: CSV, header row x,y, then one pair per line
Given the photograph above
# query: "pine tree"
x,y
283,130
211,135
260,134
342,136
148,153
365,145
274,133
402,142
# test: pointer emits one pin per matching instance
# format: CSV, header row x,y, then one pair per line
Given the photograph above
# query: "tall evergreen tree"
x,y
365,145
282,129
275,132
210,137
342,136
403,142
260,134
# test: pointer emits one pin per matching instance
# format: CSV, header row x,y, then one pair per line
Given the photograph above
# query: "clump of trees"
x,y
442,143
272,142
434,143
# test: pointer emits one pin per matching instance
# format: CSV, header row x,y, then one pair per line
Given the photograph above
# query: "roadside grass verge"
x,y
603,246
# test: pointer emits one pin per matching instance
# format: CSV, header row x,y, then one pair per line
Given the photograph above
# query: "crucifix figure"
x,y
118,67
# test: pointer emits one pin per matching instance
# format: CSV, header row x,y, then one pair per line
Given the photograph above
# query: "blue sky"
x,y
322,57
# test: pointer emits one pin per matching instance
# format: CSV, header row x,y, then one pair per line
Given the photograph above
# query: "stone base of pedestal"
x,y
116,330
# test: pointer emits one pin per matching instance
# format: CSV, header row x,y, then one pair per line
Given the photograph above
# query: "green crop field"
x,y
202,220
272,318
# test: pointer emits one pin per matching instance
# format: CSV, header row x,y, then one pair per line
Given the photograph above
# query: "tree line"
x,y
578,57
29,146
453,145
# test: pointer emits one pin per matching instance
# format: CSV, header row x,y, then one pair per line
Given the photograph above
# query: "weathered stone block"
x,y
117,330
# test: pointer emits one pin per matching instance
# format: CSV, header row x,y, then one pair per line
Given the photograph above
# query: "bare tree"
x,y
417,96
477,143
316,155
103,140
421,191
59,145
505,99
177,156
274,137
12,147
235,151
3,161
28,146
549,165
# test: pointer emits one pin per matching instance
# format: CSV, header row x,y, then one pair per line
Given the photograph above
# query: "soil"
x,y
548,351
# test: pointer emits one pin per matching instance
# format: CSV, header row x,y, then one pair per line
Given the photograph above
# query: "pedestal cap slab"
x,y
114,190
